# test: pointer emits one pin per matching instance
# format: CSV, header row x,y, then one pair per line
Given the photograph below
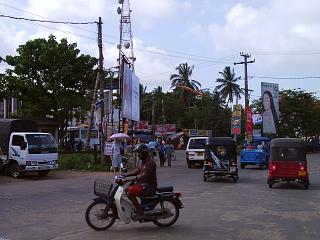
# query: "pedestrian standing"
x,y
162,153
116,156
152,149
169,150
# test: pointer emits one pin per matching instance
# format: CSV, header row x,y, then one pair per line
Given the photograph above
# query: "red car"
x,y
288,162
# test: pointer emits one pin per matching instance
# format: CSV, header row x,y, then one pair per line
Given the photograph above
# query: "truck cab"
x,y
26,151
256,153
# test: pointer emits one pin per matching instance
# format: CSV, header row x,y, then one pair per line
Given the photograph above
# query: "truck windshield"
x,y
41,142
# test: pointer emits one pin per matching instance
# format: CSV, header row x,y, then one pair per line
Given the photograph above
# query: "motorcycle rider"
x,y
145,178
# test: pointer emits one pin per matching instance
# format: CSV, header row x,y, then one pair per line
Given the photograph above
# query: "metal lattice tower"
x,y
125,45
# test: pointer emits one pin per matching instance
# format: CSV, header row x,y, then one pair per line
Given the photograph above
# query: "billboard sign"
x,y
257,119
270,107
130,96
236,120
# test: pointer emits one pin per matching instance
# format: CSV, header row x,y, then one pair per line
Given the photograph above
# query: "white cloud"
x,y
69,9
149,12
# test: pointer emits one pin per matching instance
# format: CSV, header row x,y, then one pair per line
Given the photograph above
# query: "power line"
x,y
63,31
294,78
21,10
293,52
45,21
109,36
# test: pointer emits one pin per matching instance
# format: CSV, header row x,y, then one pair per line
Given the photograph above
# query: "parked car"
x,y
195,151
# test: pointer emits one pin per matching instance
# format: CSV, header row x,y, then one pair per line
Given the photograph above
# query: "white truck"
x,y
24,149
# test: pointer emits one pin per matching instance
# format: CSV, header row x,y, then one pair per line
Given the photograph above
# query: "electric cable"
x,y
45,21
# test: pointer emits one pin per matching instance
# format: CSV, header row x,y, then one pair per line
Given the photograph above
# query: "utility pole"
x,y
102,87
99,84
246,95
153,117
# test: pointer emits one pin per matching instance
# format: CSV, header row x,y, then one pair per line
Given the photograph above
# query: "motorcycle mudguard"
x,y
108,201
175,199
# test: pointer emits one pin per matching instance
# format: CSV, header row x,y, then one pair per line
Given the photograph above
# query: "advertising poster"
x,y
270,107
126,110
249,128
130,98
236,120
257,119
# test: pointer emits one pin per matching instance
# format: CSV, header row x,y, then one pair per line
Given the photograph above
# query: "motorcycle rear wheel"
x,y
95,216
170,205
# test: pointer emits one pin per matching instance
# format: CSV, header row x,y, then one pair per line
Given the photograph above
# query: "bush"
x,y
81,161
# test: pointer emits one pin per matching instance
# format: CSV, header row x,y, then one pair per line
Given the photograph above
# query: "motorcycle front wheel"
x,y
99,216
169,207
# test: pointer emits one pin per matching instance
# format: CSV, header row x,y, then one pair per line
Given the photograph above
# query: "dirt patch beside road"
x,y
61,174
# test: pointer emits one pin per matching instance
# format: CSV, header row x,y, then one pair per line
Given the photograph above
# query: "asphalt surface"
x,y
53,207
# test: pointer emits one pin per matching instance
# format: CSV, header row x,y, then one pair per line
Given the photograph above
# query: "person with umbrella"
x,y
116,150
116,155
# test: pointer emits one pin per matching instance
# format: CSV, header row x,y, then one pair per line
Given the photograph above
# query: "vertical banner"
x,y
126,110
236,120
131,95
249,128
270,107
135,101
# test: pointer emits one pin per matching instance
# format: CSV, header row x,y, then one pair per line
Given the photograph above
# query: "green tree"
x,y
181,81
228,87
299,114
51,79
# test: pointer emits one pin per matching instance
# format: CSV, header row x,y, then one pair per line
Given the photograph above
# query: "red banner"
x,y
165,129
249,128
142,125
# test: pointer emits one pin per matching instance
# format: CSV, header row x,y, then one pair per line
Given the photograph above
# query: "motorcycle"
x,y
111,204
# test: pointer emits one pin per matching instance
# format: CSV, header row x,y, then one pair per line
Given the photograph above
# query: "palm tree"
x,y
183,79
228,88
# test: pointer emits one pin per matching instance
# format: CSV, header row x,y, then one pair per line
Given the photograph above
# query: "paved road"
x,y
53,207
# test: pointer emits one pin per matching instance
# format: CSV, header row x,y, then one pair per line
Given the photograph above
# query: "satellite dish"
x,y
119,10
126,45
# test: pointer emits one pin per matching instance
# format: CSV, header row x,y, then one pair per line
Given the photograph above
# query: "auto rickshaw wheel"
x,y
270,185
235,178
306,185
205,179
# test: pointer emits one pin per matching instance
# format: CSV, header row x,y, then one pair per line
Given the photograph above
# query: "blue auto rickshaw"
x,y
256,153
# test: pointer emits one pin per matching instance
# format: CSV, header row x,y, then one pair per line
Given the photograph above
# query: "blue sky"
x,y
283,36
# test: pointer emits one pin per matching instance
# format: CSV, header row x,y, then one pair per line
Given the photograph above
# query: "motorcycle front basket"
x,y
102,187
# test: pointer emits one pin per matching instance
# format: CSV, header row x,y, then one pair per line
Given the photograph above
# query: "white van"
x,y
195,150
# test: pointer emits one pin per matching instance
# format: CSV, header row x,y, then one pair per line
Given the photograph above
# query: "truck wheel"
x,y
43,173
242,165
15,170
189,164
